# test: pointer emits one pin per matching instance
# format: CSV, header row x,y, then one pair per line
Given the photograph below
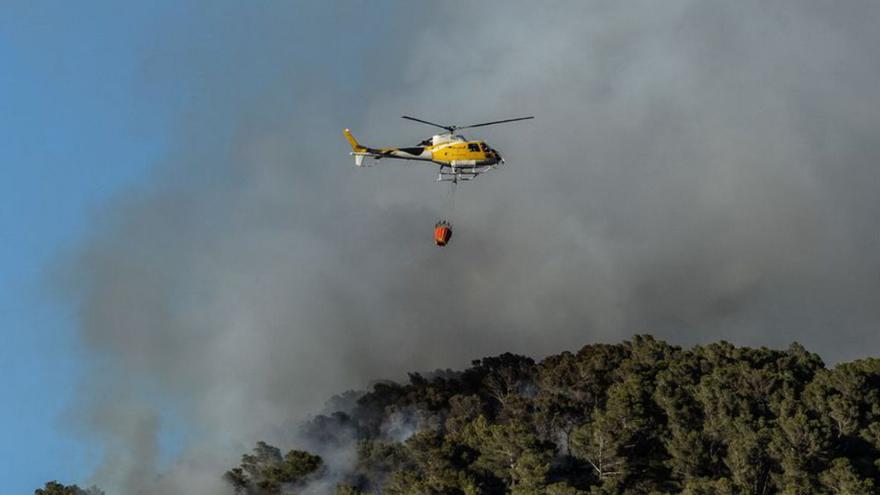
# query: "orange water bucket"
x,y
442,233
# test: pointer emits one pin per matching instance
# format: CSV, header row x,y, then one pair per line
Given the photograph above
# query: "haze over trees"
x,y
638,417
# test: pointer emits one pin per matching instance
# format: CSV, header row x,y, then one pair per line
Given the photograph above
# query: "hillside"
x,y
638,417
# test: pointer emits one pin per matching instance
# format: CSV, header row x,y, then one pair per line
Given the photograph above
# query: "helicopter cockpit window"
x,y
473,147
483,147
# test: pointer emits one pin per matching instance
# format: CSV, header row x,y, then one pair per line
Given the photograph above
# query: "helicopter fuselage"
x,y
446,150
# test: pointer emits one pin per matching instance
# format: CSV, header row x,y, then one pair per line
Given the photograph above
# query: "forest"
x,y
639,417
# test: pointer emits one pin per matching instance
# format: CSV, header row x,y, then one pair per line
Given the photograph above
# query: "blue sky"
x,y
75,129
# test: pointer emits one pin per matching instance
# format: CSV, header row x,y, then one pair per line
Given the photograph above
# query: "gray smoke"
x,y
697,170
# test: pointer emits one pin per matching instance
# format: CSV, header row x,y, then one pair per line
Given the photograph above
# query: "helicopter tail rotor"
x,y
357,150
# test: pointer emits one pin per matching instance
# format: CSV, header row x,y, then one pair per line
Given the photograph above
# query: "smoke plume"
x,y
696,170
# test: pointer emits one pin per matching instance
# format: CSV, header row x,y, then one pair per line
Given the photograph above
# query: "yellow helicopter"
x,y
459,158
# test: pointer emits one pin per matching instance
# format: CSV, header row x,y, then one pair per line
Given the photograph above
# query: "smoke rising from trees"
x,y
697,171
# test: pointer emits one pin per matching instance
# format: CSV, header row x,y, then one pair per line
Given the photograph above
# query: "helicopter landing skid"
x,y
459,175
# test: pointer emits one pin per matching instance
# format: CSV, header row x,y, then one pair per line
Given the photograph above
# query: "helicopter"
x,y
459,158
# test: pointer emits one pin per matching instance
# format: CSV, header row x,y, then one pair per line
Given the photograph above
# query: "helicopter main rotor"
x,y
453,128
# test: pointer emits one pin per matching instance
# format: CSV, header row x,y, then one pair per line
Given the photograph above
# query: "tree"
x,y
511,452
265,471
841,479
506,375
346,489
55,488
799,443
618,441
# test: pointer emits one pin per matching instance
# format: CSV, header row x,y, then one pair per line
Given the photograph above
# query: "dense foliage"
x,y
55,488
639,417
266,471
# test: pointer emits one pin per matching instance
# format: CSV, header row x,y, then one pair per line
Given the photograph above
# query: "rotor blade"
x,y
447,127
495,122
